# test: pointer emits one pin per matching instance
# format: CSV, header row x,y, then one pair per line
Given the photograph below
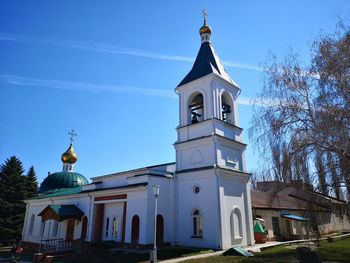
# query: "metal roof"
x,y
61,212
62,180
206,62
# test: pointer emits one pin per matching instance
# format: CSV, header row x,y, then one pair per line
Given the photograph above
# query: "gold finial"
x,y
69,156
72,134
204,13
205,28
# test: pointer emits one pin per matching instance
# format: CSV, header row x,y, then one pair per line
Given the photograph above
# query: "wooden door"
x,y
98,222
160,229
135,229
70,229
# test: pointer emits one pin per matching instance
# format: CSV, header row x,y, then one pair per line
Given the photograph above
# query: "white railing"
x,y
55,244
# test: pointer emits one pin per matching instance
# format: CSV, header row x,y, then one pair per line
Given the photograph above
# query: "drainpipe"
x,y
90,219
219,203
218,188
176,209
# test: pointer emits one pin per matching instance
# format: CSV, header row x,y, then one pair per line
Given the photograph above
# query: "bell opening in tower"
x,y
226,109
196,109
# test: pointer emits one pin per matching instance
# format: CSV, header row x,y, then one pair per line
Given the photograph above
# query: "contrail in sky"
x,y
83,86
93,87
107,48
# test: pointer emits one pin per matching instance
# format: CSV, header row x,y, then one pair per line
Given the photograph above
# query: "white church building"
x,y
204,198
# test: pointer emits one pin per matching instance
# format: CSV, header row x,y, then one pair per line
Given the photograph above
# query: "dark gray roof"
x,y
206,62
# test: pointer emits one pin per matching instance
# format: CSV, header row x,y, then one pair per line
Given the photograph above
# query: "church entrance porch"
x,y
58,227
109,218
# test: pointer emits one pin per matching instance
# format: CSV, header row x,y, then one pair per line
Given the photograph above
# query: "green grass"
x,y
121,257
338,251
174,252
274,255
335,251
280,254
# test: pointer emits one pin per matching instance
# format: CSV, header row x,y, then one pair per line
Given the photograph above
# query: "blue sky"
x,y
108,69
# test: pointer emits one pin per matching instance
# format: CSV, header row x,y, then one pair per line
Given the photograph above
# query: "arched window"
x,y
107,227
226,108
31,224
236,224
196,108
135,229
197,224
115,227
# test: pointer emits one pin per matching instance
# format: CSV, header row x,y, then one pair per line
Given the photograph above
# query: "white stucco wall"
x,y
233,194
35,206
206,201
137,205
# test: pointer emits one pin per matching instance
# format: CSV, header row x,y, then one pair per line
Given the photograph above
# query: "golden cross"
x,y
204,13
72,134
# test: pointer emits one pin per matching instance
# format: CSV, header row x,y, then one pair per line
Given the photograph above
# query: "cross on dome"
x,y
72,134
204,13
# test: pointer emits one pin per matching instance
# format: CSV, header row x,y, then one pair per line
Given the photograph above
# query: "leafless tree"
x,y
307,109
321,173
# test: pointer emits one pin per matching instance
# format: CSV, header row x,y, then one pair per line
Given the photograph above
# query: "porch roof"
x,y
295,217
61,212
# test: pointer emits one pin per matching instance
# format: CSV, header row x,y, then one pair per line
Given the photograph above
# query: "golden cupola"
x,y
205,30
69,156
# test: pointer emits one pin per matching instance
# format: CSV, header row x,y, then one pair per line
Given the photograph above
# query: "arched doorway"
x,y
135,229
84,228
160,229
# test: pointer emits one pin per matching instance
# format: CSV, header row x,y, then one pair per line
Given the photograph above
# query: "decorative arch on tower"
x,y
195,108
236,225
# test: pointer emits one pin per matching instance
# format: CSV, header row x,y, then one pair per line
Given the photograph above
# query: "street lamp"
x,y
153,256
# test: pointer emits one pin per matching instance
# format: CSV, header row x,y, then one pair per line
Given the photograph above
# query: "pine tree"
x,y
31,183
12,205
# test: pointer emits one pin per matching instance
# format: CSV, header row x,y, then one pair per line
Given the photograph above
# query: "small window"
x,y
196,109
196,189
107,227
31,224
197,222
115,227
55,228
42,228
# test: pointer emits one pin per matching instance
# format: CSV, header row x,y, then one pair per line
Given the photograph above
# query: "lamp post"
x,y
154,251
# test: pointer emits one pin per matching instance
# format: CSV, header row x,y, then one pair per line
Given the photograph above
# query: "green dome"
x,y
62,180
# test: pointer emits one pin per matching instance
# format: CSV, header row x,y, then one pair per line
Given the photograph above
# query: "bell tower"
x,y
208,133
212,185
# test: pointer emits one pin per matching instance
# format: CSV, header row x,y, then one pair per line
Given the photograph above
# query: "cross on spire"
x,y
72,134
204,13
